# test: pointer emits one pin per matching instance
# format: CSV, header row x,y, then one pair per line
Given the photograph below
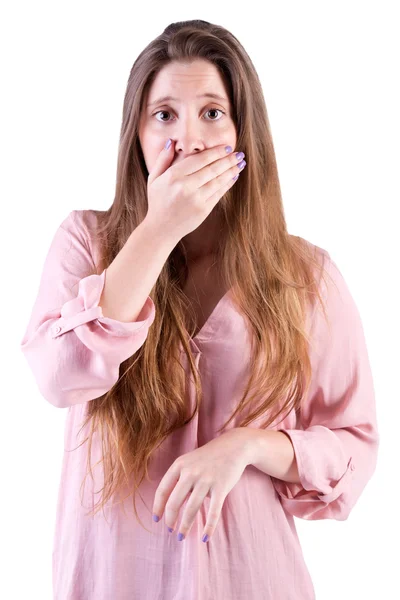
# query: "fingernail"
x,y
170,529
180,537
228,149
155,518
205,538
168,144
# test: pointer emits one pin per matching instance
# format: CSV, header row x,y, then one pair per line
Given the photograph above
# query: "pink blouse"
x,y
75,352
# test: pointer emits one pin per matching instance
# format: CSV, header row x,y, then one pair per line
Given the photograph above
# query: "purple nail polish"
x,y
205,538
155,518
228,149
180,537
170,529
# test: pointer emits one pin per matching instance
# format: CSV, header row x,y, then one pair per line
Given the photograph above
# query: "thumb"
x,y
163,161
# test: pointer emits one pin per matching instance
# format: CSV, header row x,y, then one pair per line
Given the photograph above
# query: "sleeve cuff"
x,y
325,484
85,308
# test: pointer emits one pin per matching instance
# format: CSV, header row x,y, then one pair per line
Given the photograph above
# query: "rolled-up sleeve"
x,y
336,444
74,351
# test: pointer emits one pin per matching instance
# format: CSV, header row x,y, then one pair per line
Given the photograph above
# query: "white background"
x,y
330,78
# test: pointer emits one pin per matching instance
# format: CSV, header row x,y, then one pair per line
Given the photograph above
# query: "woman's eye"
x,y
211,110
160,111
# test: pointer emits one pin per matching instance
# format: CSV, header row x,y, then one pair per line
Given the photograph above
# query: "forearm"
x,y
272,452
134,271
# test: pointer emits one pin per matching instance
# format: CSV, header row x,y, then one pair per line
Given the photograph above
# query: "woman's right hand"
x,y
181,196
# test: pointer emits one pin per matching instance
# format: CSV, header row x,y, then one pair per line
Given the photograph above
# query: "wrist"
x,y
272,452
250,444
158,234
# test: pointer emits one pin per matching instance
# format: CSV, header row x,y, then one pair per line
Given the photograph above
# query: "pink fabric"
x,y
75,353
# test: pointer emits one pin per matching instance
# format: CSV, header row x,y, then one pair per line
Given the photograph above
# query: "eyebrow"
x,y
168,98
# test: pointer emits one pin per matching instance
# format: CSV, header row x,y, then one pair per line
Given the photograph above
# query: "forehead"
x,y
190,79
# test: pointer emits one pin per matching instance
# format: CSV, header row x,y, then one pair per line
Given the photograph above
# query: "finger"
x,y
217,173
196,162
213,514
164,160
192,507
217,195
172,528
176,500
163,491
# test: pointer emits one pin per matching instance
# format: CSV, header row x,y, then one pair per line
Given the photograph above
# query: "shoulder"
x,y
83,220
317,251
335,291
81,225
309,255
341,309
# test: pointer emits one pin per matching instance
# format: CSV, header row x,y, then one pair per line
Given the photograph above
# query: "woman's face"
x,y
193,123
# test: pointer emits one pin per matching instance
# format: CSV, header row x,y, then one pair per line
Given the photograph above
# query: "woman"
x,y
216,363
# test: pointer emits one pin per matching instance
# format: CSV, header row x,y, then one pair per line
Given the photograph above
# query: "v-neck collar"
x,y
208,323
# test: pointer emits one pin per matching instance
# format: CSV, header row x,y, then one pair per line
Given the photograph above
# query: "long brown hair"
x,y
273,275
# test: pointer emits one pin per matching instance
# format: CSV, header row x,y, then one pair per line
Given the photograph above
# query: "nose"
x,y
189,136
186,147
181,154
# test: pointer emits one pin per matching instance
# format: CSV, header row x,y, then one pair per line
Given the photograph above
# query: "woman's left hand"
x,y
211,470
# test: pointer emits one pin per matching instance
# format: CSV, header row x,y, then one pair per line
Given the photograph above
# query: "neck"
x,y
202,242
